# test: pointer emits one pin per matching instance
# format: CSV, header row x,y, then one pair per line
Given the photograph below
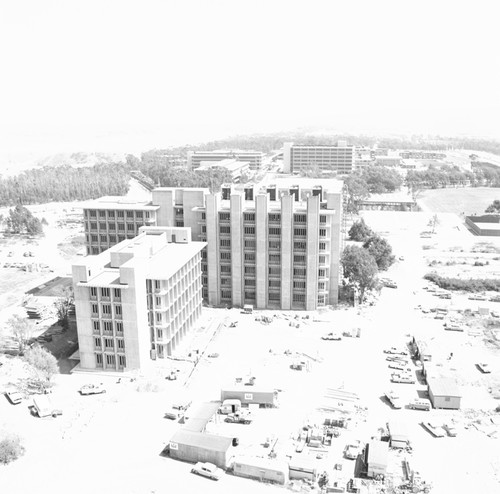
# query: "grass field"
x,y
461,200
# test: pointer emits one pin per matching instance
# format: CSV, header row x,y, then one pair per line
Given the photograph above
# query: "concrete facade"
x,y
137,300
339,158
275,247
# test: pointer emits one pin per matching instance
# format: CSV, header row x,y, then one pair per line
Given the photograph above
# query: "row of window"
x,y
105,292
92,213
106,309
272,217
109,343
107,326
110,360
112,239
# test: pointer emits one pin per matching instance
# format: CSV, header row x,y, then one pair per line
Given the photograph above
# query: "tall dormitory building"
x,y
338,158
137,300
274,248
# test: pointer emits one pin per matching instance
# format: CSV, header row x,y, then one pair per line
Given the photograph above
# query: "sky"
x,y
122,75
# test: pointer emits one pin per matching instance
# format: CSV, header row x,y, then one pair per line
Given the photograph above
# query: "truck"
x,y
264,397
402,378
238,418
177,410
44,408
394,399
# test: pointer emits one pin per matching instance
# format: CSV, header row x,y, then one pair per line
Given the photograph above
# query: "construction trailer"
x,y
421,350
303,468
247,396
199,446
197,418
262,469
376,459
398,436
444,393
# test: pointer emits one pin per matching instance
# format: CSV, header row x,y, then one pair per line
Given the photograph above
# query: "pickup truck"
x,y
393,399
208,470
238,418
401,366
92,389
434,429
402,378
177,410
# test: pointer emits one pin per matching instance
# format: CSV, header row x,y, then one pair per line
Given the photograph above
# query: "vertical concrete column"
x,y
213,249
164,197
193,198
286,251
312,252
237,278
261,252
334,202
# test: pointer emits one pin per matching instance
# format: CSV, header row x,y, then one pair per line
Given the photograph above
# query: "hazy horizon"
x,y
127,76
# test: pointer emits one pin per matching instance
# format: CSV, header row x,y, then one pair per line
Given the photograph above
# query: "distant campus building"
x,y
253,158
274,248
339,158
138,299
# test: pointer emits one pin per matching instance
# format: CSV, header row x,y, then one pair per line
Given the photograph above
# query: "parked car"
x,y
402,378
402,366
14,397
208,470
484,368
332,337
92,389
396,351
393,399
352,450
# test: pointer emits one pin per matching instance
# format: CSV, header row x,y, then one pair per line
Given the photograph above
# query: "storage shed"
x,y
197,420
301,467
199,446
376,458
397,434
444,393
261,469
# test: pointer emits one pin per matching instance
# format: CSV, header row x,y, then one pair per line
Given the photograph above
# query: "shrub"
x,y
467,285
10,449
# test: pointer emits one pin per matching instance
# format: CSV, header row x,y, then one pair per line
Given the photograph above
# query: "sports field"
x,y
468,200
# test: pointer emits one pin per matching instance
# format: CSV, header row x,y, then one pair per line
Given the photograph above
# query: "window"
x,y
106,309
121,238
273,296
158,301
96,326
119,327
158,317
98,360
249,256
322,259
275,258
110,360
95,250
203,229
224,216
249,230
300,218
204,280
97,342
225,256
204,254
322,273
274,244
225,242
204,268
92,213
130,214
117,293
273,230
249,269
203,216
112,226
102,214
299,284
104,239
120,344
109,343
250,295
95,309
322,232
122,362
225,230
130,227
102,226
299,297
225,268
94,238
138,214
249,244
111,214
121,227
226,294
157,284
248,216
225,281
274,283
274,270
299,258
159,333
249,282
299,232
118,310
120,214
322,218
321,285
299,246
104,292
274,217
93,291
108,326
322,246
179,223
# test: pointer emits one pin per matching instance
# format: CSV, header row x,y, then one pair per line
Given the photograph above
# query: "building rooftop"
x,y
329,184
398,430
177,255
228,151
106,278
229,164
202,440
378,452
118,202
443,386
487,226
201,416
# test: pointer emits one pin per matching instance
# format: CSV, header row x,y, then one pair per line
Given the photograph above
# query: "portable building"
x,y
196,420
247,395
421,349
303,468
444,393
262,469
376,457
397,434
199,446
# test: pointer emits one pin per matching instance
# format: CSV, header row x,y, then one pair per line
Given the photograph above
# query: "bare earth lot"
x,y
112,442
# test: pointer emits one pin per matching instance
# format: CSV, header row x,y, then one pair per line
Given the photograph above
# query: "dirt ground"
x,y
112,442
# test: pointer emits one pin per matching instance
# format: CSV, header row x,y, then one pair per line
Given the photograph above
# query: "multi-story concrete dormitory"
x,y
277,247
138,299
